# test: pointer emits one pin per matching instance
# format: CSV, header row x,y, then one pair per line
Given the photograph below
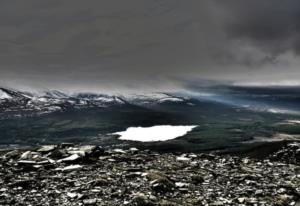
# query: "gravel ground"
x,y
89,175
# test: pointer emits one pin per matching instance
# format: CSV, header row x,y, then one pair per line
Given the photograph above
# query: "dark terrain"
x,y
238,155
89,175
224,122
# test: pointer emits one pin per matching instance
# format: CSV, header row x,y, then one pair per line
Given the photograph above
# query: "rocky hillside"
x,y
90,175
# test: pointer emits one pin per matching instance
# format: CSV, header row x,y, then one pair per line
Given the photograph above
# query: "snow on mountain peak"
x,y
52,100
55,94
152,98
4,95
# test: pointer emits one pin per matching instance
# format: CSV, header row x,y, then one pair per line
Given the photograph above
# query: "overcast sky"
x,y
139,44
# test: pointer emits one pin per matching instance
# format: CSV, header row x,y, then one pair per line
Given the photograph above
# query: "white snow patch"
x,y
292,121
109,100
170,99
155,133
183,159
42,99
4,95
105,99
277,111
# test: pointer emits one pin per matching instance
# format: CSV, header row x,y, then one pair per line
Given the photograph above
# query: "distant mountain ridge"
x,y
15,103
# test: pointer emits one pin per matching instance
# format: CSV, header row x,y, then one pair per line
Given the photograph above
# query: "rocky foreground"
x,y
89,175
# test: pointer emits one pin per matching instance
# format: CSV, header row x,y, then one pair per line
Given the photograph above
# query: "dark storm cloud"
x,y
272,25
139,43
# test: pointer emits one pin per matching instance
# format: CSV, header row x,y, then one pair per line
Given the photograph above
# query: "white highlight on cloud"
x,y
154,133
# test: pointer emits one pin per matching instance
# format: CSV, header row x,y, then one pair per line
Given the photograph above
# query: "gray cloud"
x,y
140,43
272,25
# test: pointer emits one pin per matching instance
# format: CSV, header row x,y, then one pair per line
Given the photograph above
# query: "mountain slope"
x,y
17,103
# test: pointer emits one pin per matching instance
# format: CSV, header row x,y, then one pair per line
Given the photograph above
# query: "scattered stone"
x,y
26,162
289,154
181,184
100,182
71,158
90,201
133,149
160,182
64,175
26,155
70,168
71,195
142,200
197,179
23,184
183,159
14,154
120,151
46,148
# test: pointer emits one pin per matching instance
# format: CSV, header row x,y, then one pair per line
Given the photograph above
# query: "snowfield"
x,y
155,133
4,95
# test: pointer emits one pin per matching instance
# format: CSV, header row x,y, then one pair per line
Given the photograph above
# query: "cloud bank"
x,y
142,44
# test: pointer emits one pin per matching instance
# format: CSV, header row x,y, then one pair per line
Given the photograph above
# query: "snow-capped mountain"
x,y
99,99
18,102
153,99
